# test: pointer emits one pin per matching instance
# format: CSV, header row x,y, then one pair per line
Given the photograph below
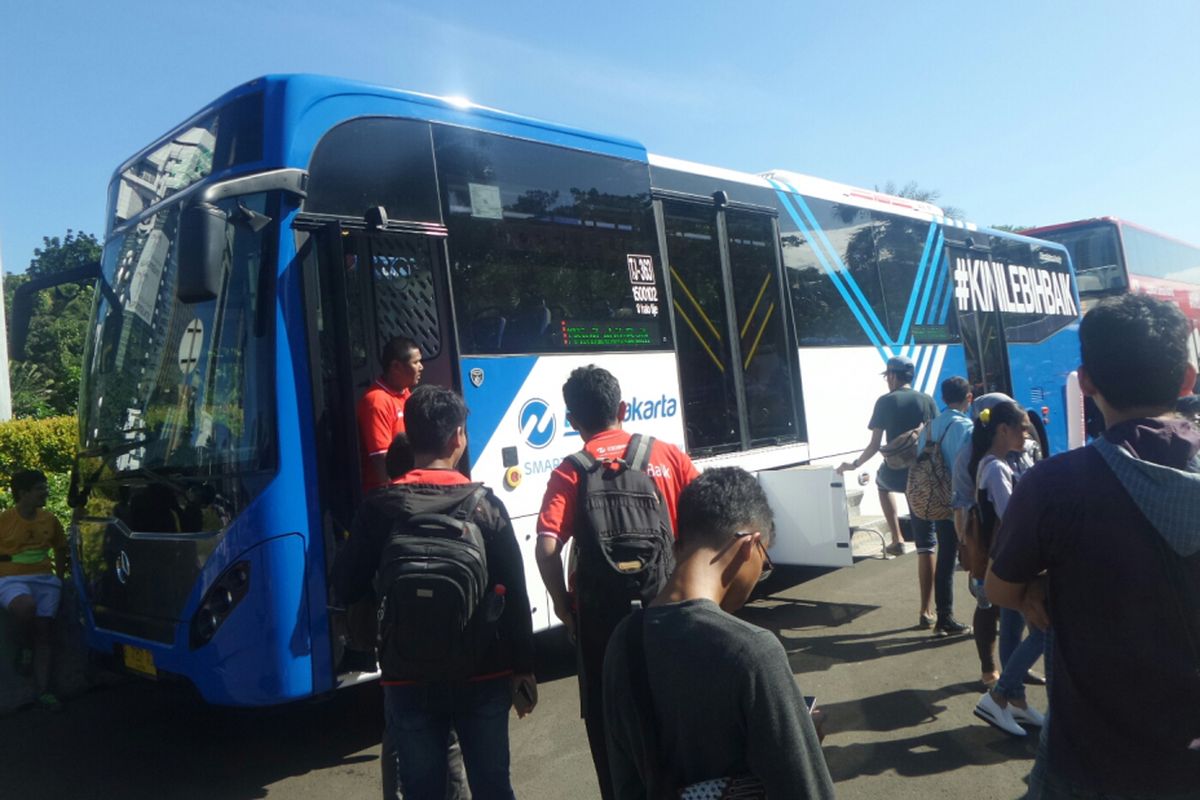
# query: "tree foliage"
x,y
912,191
43,444
46,382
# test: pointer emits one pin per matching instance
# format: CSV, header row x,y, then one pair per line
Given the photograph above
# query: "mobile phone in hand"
x,y
524,698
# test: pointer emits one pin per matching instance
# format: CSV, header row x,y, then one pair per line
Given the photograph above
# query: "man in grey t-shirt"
x,y
901,410
725,702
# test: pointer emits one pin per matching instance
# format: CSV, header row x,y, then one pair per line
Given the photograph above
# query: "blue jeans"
x,y
939,533
419,719
1012,625
1012,676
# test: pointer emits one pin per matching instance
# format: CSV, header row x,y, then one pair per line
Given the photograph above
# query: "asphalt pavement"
x,y
899,706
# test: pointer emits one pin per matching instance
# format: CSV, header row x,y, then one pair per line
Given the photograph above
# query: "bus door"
x,y
738,373
986,352
366,287
981,326
738,368
370,286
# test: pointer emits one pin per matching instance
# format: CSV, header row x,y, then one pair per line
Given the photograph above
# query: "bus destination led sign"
x,y
604,335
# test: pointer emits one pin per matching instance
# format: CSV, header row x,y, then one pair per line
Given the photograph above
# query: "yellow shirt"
x,y
18,535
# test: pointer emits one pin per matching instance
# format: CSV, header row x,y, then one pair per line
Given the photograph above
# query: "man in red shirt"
x,y
595,409
380,412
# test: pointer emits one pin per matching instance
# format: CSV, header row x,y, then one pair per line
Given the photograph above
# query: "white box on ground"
x,y
811,521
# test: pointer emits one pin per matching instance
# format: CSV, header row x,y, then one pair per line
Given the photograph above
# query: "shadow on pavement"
x,y
973,744
146,740
781,613
893,711
822,652
929,754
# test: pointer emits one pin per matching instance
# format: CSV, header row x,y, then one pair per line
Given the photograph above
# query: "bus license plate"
x,y
139,660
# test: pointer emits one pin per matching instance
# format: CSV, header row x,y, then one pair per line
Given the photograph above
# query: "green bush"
x,y
43,444
46,444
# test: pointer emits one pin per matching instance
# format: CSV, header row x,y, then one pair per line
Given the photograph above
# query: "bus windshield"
x,y
179,388
1096,255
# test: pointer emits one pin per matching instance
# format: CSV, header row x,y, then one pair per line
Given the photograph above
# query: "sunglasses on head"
x,y
767,565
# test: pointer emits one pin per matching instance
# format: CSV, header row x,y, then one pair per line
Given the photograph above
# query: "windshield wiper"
x,y
111,448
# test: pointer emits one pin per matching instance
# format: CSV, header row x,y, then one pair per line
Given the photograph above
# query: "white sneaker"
x,y
988,710
1027,716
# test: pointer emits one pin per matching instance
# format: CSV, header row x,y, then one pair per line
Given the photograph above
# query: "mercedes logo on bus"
x,y
123,566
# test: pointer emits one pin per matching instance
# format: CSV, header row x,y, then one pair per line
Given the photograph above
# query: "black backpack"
x,y
436,605
623,539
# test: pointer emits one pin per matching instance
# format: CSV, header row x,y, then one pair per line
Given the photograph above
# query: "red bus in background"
x,y
1112,256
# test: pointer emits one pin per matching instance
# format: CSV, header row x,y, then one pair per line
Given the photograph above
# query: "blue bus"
x,y
257,257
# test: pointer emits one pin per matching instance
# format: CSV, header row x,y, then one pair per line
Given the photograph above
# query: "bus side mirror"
x,y
203,237
26,293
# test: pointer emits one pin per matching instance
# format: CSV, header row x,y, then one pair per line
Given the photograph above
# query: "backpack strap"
x,y
637,452
466,509
655,778
582,460
943,436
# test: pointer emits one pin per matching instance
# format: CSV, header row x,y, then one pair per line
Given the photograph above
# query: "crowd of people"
x,y
1089,559
456,649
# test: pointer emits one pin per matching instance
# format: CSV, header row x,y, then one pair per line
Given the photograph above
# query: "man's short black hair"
x,y
25,479
396,349
955,389
431,416
1135,350
720,503
593,397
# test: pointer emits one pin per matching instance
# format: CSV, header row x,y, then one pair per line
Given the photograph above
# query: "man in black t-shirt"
x,y
897,412
720,697
1101,542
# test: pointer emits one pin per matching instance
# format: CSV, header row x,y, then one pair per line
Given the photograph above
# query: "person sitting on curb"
x,y
30,584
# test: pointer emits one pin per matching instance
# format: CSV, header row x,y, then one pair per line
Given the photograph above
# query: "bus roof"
x,y
298,94
807,185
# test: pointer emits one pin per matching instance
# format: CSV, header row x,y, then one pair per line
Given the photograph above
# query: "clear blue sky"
x,y
1017,112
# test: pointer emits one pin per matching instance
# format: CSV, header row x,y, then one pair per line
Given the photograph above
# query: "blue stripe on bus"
x,y
941,319
936,280
940,283
866,306
830,271
918,282
924,353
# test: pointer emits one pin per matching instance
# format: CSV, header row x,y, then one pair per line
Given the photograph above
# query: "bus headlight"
x,y
220,599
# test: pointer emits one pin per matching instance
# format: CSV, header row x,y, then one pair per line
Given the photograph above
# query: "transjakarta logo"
x,y
981,285
662,408
536,422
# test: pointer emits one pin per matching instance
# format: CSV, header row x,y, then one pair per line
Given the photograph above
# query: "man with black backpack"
x,y
616,497
455,632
